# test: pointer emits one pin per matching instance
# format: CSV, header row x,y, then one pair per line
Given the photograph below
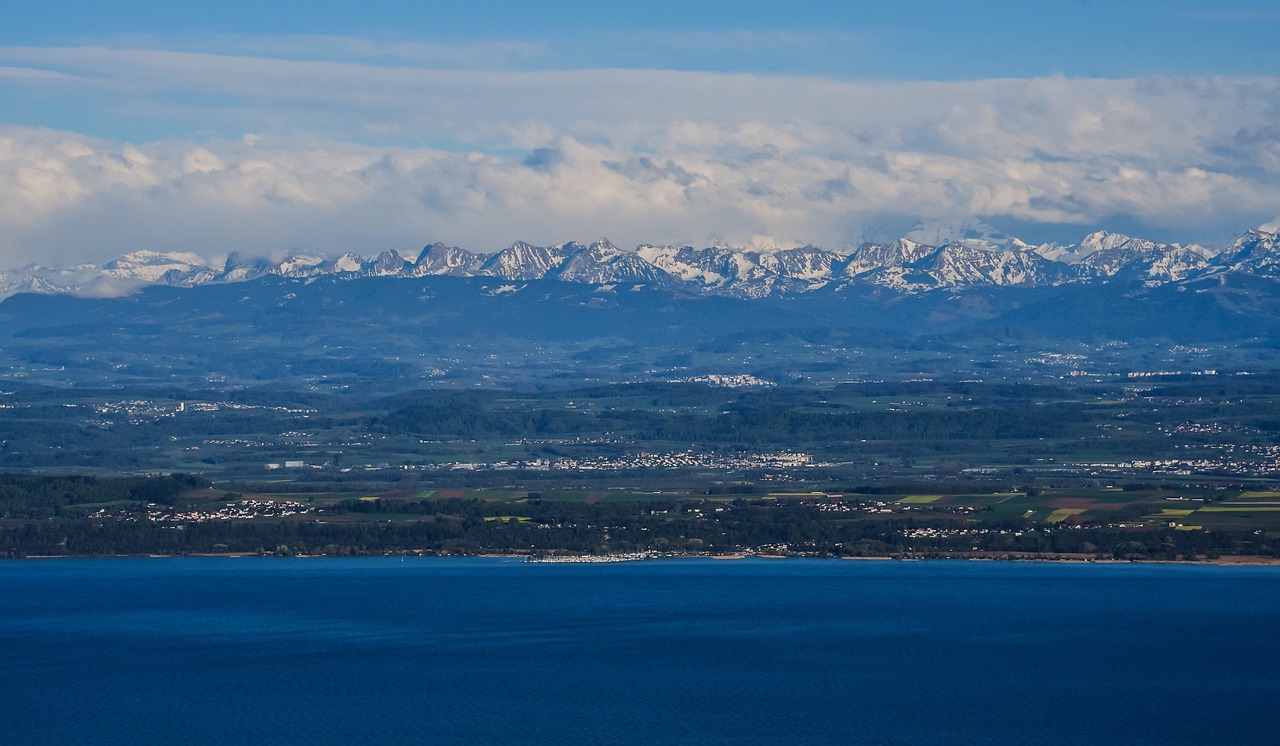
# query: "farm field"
x,y
1186,465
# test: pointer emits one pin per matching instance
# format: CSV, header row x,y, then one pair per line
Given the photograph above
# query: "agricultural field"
x,y
857,468
662,435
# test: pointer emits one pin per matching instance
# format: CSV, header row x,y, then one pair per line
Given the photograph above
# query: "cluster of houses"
x,y
240,509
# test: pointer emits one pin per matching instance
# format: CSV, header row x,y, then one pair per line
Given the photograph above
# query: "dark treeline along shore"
x,y
182,515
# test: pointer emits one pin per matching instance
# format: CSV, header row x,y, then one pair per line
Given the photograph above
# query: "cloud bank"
x,y
262,155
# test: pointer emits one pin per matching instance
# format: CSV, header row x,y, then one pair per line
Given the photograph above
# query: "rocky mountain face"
x,y
1256,252
439,259
904,266
1113,255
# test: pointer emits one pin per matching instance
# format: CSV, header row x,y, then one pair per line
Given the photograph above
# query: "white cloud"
x,y
29,74
481,158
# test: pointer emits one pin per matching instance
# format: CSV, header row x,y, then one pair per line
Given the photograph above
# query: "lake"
x,y
487,650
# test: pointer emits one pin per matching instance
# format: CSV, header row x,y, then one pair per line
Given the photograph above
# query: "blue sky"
x,y
326,127
904,40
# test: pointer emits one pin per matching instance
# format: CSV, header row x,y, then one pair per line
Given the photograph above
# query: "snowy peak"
x,y
1116,256
599,252
870,256
240,269
523,261
702,268
387,264
440,259
807,263
1075,253
602,263
604,247
1257,251
299,266
172,268
970,232
904,265
919,268
1102,241
346,263
744,273
958,263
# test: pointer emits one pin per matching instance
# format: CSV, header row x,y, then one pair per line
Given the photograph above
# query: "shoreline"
x,y
1229,561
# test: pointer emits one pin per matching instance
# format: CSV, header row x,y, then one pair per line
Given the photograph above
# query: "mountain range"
x,y
543,315
904,266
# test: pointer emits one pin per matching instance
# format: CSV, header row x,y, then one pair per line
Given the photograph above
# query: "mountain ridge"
x,y
903,266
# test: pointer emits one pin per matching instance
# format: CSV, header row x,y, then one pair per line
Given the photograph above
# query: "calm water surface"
x,y
233,651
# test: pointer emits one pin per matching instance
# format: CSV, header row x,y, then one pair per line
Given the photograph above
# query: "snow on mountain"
x,y
387,264
954,265
19,281
959,263
346,263
1056,252
523,261
743,273
299,266
83,280
870,257
1256,252
806,263
1117,256
1176,263
1075,253
603,263
172,268
1102,241
439,259
240,269
969,232
905,266
684,263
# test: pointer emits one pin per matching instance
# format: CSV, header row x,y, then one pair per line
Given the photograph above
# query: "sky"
x,y
323,127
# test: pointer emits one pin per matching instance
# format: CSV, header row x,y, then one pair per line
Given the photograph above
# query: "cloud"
x,y
347,99
265,154
29,74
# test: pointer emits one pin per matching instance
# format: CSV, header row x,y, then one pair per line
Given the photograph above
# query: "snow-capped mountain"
x,y
903,266
1116,255
173,268
713,269
969,232
523,261
305,266
439,259
748,274
602,263
240,269
872,257
916,268
804,268
27,280
958,264
702,268
387,264
1256,252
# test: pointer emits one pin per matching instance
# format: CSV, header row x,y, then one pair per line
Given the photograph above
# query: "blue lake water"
x,y
249,650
